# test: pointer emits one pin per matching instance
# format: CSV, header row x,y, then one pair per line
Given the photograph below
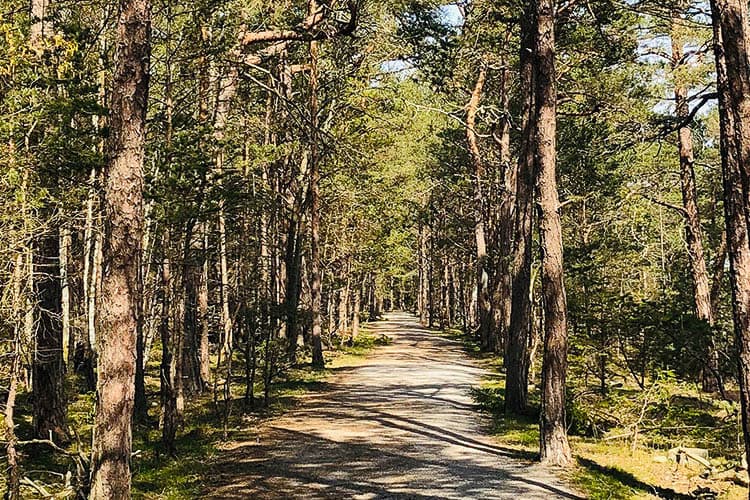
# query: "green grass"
x,y
612,469
603,483
158,476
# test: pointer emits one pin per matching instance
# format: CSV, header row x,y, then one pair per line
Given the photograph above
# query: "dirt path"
x,y
400,426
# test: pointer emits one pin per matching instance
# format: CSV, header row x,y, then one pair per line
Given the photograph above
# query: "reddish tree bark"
x,y
123,232
732,49
554,448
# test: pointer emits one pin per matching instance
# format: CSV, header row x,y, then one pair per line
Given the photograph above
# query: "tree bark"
x,y
13,487
423,276
343,310
205,358
226,92
731,48
48,367
484,305
293,286
356,309
67,338
553,438
89,244
123,232
502,300
693,230
48,359
517,354
168,419
315,273
39,26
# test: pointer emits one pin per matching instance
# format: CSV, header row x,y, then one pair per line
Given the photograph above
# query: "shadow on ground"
x,y
402,426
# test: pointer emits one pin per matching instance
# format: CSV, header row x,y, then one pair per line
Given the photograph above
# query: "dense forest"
x,y
197,198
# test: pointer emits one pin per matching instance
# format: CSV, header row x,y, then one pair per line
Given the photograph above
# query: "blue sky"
x,y
452,14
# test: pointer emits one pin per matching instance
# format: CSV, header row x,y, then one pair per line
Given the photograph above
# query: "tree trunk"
x,y
48,376
227,90
293,286
123,233
191,344
445,315
502,300
67,338
483,287
344,312
516,355
39,13
13,488
89,271
693,231
372,299
553,439
430,283
205,358
168,419
731,46
226,319
423,276
355,312
315,273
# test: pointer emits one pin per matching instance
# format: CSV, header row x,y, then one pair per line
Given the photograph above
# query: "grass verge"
x,y
163,477
614,468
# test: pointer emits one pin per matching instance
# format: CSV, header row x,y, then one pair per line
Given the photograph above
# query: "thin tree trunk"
x,y
693,230
293,289
445,317
356,309
483,287
718,273
205,359
372,299
423,276
95,286
168,418
123,234
553,438
315,273
67,339
430,283
226,320
344,312
13,487
89,247
502,301
227,90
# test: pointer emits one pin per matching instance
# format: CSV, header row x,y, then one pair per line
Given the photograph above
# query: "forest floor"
x,y
400,425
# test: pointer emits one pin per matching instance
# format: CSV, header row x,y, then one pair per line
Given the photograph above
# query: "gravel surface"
x,y
402,425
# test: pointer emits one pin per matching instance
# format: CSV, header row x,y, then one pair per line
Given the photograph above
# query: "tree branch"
x,y
311,29
656,201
